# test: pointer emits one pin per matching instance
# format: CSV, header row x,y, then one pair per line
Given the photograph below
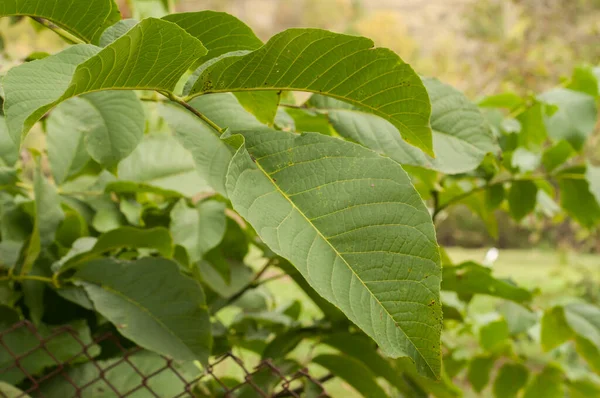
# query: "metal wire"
x,y
31,383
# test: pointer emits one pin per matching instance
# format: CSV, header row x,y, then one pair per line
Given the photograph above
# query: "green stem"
x,y
190,108
21,278
61,32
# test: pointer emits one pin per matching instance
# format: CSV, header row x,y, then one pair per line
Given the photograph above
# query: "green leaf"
x,y
575,118
84,68
211,155
87,20
8,391
522,198
554,329
557,154
283,343
375,79
471,278
198,230
219,32
23,343
583,388
479,372
363,349
584,80
320,224
303,120
155,238
9,154
494,335
126,376
533,130
461,136
584,321
151,303
524,161
352,372
518,318
262,104
592,175
511,378
548,384
117,30
162,162
504,100
576,198
107,125
47,217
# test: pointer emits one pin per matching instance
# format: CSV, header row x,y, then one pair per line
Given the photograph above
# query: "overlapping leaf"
x,y
461,136
152,56
151,303
344,67
85,19
356,229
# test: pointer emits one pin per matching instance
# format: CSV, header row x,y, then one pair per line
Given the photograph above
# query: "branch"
x,y
253,284
190,108
59,31
296,392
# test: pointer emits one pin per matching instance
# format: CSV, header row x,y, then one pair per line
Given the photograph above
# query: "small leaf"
x,y
152,304
547,384
518,318
511,378
533,130
156,238
584,80
376,79
494,335
471,278
262,104
522,198
47,217
198,230
504,100
8,391
554,329
352,372
87,20
575,118
576,198
556,155
461,136
162,162
479,372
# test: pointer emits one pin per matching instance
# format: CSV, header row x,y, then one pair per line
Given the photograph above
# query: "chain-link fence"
x,y
65,362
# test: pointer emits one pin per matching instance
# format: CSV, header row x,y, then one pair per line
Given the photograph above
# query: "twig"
x,y
190,108
253,284
297,391
59,31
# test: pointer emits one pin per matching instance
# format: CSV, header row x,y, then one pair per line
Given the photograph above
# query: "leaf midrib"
x,y
345,262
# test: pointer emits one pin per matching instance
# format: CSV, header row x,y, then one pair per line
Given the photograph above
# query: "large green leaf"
x,y
575,118
353,372
107,125
150,56
461,136
344,67
151,303
351,222
85,19
219,32
472,278
162,162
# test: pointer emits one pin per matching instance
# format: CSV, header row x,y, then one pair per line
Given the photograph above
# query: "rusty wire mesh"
x,y
18,364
